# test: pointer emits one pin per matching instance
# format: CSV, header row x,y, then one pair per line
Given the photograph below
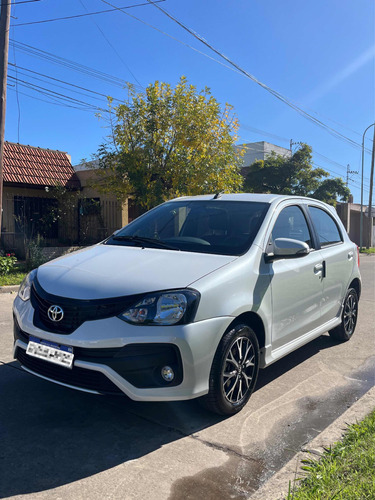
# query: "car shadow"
x,y
294,359
51,436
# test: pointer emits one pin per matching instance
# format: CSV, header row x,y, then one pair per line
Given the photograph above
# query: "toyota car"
x,y
191,299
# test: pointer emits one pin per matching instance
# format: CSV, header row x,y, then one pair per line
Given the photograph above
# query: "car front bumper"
x,y
112,356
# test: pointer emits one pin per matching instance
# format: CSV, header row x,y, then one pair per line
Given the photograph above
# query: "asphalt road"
x,y
58,443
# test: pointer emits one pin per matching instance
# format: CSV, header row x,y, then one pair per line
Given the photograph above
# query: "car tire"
x,y
344,331
234,371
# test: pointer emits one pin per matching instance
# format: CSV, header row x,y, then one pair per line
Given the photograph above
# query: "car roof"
x,y
255,197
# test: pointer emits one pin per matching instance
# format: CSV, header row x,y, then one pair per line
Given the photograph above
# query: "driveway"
x,y
58,443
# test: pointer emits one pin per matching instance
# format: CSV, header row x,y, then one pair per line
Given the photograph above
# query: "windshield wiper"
x,y
143,239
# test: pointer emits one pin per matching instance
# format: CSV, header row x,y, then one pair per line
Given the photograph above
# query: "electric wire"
x,y
275,93
67,63
77,16
112,46
236,69
19,3
284,139
62,81
249,148
16,78
116,80
61,96
49,101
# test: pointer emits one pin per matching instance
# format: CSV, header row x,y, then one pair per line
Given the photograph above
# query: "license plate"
x,y
49,351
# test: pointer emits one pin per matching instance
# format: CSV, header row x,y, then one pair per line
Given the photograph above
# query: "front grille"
x,y
77,377
76,311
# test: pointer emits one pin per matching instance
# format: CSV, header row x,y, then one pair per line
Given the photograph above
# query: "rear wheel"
x,y
345,329
234,371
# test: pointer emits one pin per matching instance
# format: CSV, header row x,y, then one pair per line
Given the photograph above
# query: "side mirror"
x,y
286,248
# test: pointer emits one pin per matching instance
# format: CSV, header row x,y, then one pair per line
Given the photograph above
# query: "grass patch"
x,y
345,471
15,277
368,250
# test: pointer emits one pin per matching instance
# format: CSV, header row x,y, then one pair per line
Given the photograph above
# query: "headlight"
x,y
25,288
163,308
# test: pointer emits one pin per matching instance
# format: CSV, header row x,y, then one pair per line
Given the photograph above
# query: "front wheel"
x,y
345,329
234,371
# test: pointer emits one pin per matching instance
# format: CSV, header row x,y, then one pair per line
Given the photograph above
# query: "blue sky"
x,y
318,54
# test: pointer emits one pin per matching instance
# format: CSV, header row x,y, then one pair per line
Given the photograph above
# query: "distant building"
x,y
260,151
350,215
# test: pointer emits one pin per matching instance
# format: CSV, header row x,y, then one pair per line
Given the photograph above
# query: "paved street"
x,y
58,443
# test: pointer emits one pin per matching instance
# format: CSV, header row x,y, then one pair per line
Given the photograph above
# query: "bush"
x,y
7,263
34,256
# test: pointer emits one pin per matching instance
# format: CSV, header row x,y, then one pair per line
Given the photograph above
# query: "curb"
x,y
9,289
276,488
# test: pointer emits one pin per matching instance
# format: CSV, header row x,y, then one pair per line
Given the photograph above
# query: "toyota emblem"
x,y
55,313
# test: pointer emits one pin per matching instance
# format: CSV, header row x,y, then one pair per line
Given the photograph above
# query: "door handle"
x,y
350,255
318,268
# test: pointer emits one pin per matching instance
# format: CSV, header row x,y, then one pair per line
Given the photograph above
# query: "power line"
x,y
284,139
62,81
76,16
18,3
114,80
172,37
315,153
50,101
276,94
112,47
55,94
351,181
55,85
67,63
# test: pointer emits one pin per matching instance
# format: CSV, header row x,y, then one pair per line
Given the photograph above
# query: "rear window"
x,y
212,226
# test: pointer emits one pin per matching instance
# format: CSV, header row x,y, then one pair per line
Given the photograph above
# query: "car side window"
x,y
291,223
325,226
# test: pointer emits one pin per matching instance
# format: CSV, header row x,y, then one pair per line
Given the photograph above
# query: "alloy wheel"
x,y
350,314
238,372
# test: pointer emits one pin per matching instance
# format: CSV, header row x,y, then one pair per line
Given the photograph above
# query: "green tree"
x,y
331,189
170,142
294,175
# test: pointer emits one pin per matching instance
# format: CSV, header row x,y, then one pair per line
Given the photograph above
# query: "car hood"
x,y
105,271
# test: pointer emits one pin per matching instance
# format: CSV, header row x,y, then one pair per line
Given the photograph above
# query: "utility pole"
x,y
370,242
362,172
292,143
349,172
4,47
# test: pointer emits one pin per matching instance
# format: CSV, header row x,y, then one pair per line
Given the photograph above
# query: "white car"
x,y
191,299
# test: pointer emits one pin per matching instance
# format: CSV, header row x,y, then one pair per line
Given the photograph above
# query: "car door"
x,y
296,283
338,256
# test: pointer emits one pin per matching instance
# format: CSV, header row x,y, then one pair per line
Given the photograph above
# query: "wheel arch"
x,y
356,284
253,320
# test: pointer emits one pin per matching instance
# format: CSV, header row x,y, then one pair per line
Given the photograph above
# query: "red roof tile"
x,y
37,166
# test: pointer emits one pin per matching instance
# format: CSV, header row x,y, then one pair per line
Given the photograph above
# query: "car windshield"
x,y
210,226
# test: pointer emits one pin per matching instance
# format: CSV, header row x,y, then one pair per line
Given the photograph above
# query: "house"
x,y
43,196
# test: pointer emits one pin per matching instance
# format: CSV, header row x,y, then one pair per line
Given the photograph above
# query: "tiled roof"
x,y
37,166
